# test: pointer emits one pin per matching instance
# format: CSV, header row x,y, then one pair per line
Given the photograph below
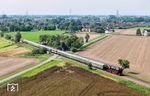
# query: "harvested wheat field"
x,y
14,52
93,35
133,48
9,65
126,31
70,81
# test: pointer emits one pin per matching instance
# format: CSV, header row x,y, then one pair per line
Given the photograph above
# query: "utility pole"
x,y
117,13
70,12
27,13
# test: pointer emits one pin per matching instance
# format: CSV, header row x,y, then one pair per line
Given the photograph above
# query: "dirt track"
x,y
134,49
70,81
9,65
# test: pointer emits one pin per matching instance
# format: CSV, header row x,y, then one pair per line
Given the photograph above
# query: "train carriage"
x,y
102,66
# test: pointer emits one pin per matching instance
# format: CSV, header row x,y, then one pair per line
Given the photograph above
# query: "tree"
x,y
4,16
124,63
99,29
71,27
39,51
1,34
63,46
18,37
35,51
42,50
73,49
43,38
87,37
90,66
138,32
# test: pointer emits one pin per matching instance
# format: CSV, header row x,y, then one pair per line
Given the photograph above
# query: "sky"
x,y
74,7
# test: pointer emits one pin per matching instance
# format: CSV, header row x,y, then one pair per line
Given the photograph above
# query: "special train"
x,y
106,67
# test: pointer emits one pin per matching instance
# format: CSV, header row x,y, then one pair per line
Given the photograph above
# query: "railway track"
x,y
86,61
67,55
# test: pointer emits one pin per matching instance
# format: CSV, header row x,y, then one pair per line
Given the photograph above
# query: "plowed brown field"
x,y
135,49
70,81
9,65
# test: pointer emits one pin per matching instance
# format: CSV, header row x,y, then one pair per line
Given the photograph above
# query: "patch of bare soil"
x,y
9,65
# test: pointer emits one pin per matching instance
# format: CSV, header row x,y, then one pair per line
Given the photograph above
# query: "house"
x,y
109,31
146,33
86,29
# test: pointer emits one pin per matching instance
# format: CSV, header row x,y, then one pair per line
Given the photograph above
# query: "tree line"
x,y
70,23
16,38
62,42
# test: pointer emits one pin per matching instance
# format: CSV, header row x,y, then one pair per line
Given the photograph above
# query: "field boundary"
x,y
93,41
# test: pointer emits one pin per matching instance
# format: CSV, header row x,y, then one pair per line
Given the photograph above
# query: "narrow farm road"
x,y
29,69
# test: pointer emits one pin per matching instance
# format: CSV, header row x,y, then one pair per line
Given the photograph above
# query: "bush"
x,y
74,49
42,51
35,51
8,37
39,51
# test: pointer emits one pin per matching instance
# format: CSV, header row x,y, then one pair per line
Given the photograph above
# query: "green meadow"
x,y
34,36
6,45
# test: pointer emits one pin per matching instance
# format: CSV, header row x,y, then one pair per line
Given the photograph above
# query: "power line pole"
x,y
117,13
27,13
70,12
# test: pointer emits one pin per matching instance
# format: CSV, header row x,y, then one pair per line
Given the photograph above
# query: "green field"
x,y
6,45
34,36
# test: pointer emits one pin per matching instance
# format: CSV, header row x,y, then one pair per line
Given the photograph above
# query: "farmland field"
x,y
8,61
133,48
69,81
93,35
34,36
6,45
9,65
126,31
131,31
8,48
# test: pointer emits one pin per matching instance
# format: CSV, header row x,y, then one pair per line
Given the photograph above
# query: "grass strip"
x,y
93,41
